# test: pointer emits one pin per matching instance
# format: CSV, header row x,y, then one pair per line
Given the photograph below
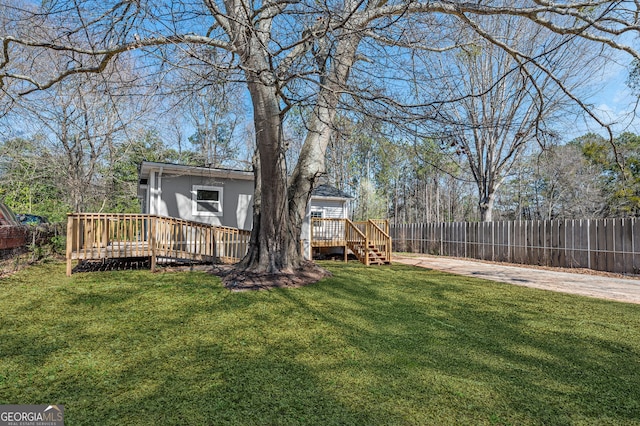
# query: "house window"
x,y
207,200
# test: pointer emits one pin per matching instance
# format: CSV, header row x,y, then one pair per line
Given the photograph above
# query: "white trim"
x,y
194,200
159,192
143,196
151,194
318,226
155,190
182,170
322,198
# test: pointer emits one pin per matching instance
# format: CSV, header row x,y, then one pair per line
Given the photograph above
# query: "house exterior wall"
x,y
330,208
171,195
170,190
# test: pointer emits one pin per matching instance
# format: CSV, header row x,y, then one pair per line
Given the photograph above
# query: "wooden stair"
x,y
376,257
369,240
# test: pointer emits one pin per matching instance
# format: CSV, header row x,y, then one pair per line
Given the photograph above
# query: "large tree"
x,y
316,55
503,102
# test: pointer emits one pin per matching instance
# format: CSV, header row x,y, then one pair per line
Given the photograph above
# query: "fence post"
x,y
70,236
588,244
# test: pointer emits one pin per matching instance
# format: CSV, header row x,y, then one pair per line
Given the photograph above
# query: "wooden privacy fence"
x,y
92,236
611,245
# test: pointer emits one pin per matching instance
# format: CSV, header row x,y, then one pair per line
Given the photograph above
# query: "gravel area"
x,y
583,282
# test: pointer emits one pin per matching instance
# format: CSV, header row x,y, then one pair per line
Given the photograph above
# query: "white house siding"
x,y
330,208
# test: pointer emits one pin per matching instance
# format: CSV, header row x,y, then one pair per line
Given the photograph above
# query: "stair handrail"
x,y
355,228
385,236
363,239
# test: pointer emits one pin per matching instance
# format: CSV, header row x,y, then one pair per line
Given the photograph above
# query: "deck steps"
x,y
375,256
369,240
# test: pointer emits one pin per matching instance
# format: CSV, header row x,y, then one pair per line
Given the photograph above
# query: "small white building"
x,y
221,197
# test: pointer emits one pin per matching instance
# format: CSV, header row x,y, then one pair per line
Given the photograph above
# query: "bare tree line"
x,y
317,60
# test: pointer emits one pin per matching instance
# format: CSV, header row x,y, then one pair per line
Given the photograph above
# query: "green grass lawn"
x,y
371,346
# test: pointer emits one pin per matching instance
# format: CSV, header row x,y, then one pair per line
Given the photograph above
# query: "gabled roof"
x,y
328,191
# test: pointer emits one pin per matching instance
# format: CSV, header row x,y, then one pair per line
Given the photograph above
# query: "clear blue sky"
x,y
613,101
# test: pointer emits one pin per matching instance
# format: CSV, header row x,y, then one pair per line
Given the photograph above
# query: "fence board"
x,y
609,232
619,246
536,243
635,243
516,242
577,233
561,244
552,242
605,244
594,244
545,238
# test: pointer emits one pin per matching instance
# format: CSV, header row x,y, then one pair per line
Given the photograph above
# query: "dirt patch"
x,y
15,260
234,280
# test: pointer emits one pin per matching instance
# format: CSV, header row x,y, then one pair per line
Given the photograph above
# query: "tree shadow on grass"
x,y
369,346
186,360
497,353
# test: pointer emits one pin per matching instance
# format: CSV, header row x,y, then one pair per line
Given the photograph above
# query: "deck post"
x,y
366,244
346,249
152,243
69,244
105,234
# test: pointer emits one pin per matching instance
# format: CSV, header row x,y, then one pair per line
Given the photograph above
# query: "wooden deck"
x,y
92,236
368,240
162,239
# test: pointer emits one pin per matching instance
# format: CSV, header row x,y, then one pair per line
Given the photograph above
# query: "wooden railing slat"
x,y
93,236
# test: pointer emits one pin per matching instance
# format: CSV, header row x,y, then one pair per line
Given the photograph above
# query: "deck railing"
x,y
359,236
231,244
378,236
97,236
181,240
328,232
357,241
92,236
383,224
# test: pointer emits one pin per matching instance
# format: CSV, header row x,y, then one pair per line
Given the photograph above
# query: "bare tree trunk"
x,y
282,206
487,191
274,244
486,208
